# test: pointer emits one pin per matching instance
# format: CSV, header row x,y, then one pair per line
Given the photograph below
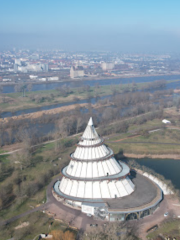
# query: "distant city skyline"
x,y
80,25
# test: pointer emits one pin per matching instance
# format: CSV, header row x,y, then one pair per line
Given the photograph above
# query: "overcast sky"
x,y
131,25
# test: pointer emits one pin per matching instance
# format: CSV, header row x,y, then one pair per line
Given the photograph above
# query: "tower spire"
x,y
90,123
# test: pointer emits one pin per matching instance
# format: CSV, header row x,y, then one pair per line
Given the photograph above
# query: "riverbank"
x,y
14,102
95,78
40,113
153,156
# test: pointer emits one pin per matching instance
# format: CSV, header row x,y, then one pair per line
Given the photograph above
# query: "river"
x,y
102,82
171,85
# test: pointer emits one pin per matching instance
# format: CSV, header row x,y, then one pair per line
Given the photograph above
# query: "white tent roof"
x,y
92,160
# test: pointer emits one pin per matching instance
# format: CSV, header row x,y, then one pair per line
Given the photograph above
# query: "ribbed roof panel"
x,y
97,189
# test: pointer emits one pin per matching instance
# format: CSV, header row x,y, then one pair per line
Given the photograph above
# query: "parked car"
x,y
93,225
166,214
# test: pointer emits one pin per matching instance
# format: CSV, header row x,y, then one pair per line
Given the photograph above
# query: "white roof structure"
x,y
166,121
93,173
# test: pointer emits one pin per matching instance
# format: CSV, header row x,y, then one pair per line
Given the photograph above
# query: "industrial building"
x,y
76,72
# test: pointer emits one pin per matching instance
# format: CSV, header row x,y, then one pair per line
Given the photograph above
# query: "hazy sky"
x,y
128,25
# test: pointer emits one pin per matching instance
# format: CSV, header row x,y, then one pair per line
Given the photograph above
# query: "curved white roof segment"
x,y
92,153
97,189
93,169
92,159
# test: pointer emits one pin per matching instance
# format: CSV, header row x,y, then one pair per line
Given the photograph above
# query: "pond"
x,y
169,168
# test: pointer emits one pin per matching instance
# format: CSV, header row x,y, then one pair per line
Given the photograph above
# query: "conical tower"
x,y
93,173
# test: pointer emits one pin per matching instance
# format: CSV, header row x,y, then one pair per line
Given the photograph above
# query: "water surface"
x,y
169,168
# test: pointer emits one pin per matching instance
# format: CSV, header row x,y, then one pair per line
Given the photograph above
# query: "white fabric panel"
x,y
100,169
63,184
125,182
110,167
95,170
115,165
84,170
93,153
113,189
90,132
128,187
90,153
68,187
89,170
104,190
105,149
105,167
122,191
88,190
74,168
87,154
130,182
79,168
81,188
74,188
81,152
76,153
97,154
96,190
70,167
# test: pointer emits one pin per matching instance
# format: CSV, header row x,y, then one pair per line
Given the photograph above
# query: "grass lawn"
x,y
162,136
149,124
4,158
169,228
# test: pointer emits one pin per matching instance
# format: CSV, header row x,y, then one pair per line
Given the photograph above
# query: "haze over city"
x,y
127,26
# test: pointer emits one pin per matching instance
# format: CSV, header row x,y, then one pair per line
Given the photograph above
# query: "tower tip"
x,y
90,123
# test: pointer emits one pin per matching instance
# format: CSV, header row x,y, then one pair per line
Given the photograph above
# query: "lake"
x,y
169,168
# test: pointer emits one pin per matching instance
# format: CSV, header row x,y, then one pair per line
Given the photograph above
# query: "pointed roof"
x,y
90,123
90,131
90,136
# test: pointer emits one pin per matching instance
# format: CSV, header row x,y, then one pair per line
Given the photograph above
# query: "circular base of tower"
x,y
142,202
